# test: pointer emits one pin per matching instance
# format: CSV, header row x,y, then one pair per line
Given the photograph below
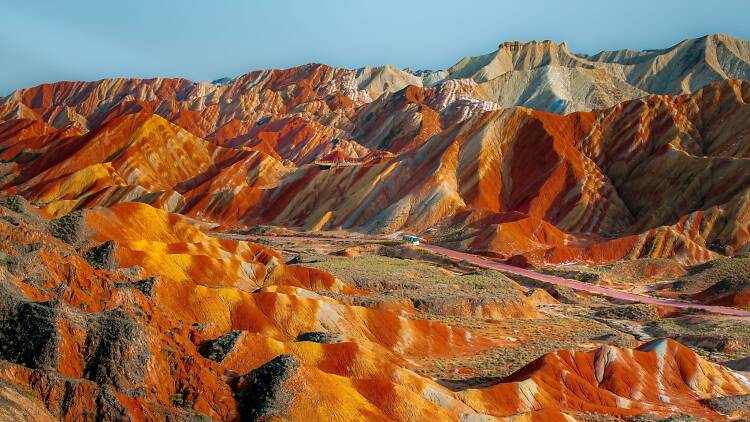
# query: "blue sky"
x,y
43,41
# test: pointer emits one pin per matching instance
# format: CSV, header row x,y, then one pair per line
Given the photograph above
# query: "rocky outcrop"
x,y
262,393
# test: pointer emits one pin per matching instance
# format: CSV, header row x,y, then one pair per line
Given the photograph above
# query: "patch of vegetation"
x,y
584,274
180,400
730,284
563,294
728,336
430,288
634,312
682,417
729,405
380,272
13,203
701,277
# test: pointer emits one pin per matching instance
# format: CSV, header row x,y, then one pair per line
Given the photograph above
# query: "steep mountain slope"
x,y
656,177
547,76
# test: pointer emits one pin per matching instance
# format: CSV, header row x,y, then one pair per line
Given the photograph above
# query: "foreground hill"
x,y
132,313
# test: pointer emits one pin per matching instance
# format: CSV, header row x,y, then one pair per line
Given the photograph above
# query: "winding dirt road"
x,y
573,284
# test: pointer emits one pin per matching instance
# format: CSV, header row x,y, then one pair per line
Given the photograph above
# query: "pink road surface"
x,y
581,286
573,284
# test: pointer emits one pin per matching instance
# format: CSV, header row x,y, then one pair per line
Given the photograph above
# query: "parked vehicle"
x,y
414,240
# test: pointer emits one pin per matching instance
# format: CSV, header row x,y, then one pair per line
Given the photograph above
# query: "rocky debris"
x,y
68,228
734,406
109,407
294,260
102,257
324,337
739,364
219,348
117,351
145,286
610,337
712,343
261,393
626,328
634,312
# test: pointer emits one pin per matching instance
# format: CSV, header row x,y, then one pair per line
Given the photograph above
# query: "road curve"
x,y
578,285
560,281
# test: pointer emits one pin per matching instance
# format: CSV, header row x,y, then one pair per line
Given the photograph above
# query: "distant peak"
x,y
518,45
222,81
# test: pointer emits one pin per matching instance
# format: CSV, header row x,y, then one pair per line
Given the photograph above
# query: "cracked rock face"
x,y
68,228
118,351
262,392
102,257
29,335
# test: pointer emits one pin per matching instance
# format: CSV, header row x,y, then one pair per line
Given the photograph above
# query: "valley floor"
x,y
435,283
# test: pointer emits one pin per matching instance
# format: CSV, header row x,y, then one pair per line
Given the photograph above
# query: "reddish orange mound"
x,y
176,251
730,291
167,245
308,278
20,129
660,377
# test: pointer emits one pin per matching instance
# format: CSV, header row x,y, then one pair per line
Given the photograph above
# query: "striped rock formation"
x,y
661,176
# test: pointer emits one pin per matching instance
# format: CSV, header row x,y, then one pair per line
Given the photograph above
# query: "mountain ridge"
x,y
718,58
